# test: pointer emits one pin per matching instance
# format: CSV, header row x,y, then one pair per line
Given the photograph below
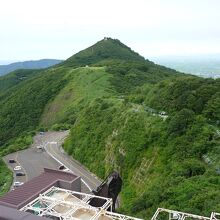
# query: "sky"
x,y
35,29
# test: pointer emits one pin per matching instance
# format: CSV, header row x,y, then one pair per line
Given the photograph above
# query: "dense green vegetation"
x,y
160,160
5,178
21,106
157,127
15,78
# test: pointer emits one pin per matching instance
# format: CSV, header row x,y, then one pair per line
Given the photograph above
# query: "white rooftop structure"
x,y
61,204
162,213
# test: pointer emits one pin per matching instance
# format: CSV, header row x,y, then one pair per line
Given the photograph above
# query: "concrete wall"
x,y
75,185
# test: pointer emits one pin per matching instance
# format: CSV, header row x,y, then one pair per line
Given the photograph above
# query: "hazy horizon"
x,y
207,65
191,57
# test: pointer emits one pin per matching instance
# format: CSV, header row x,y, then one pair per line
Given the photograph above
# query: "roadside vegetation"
x,y
159,128
6,178
6,175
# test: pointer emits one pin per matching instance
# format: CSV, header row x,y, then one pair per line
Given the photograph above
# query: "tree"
x,y
212,110
180,121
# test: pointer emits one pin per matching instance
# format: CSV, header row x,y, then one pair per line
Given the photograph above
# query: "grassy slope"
x,y
84,85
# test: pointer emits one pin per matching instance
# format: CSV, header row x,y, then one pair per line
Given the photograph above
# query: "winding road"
x,y
33,160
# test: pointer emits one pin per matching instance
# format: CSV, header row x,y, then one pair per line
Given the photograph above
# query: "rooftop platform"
x,y
61,204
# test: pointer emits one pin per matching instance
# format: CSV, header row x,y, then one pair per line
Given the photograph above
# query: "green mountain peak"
x,y
106,49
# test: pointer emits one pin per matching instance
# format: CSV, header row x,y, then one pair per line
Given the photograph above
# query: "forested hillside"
x,y
166,159
157,127
15,77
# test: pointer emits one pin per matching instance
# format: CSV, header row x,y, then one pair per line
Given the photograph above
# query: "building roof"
x,y
31,189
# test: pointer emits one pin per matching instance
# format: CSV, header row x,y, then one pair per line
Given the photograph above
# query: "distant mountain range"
x,y
37,64
204,65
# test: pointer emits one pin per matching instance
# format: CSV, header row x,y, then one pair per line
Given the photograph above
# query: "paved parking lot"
x,y
33,160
